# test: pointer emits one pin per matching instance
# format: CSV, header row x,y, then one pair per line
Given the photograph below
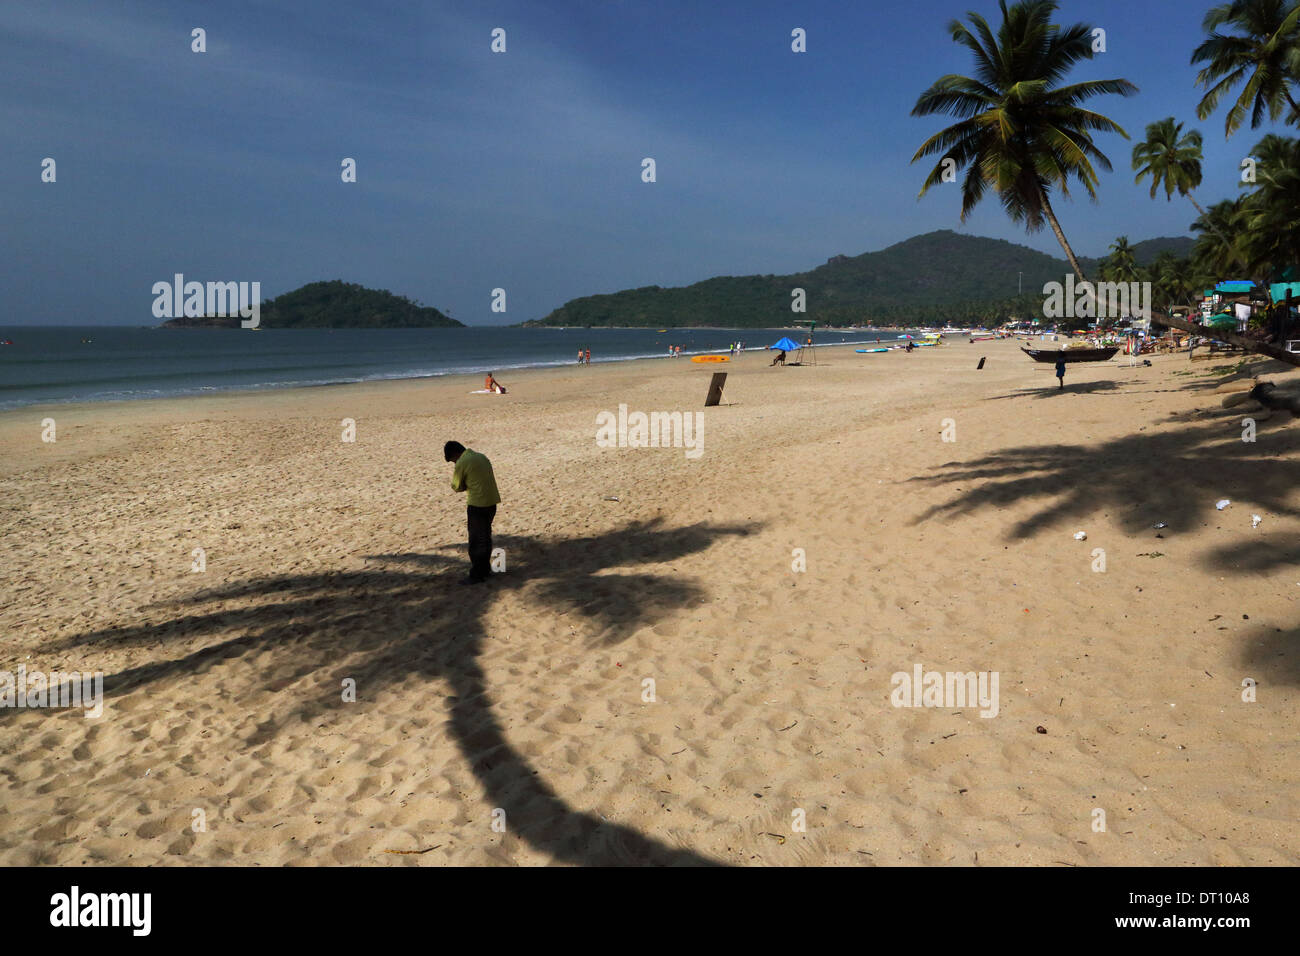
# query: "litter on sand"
x,y
1081,536
1160,524
1222,503
1255,520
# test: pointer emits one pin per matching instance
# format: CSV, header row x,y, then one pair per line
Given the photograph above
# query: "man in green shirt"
x,y
473,475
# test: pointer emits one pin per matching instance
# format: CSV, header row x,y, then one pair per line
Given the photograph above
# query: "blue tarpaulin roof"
x,y
787,344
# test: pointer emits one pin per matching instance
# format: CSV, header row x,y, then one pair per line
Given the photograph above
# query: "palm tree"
x,y
1020,133
1262,55
1176,283
1164,279
1121,265
1218,247
1271,237
1293,69
1171,158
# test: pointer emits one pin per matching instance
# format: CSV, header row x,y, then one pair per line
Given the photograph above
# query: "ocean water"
x,y
89,364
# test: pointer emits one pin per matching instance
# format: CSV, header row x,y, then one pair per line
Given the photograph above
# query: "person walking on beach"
x,y
1060,371
473,475
579,356
588,356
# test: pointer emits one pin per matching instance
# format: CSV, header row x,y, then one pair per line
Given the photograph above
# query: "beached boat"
x,y
1070,355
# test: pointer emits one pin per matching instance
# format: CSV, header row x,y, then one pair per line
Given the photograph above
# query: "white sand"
x,y
329,561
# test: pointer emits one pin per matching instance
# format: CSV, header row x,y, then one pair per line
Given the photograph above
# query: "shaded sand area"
x,y
329,562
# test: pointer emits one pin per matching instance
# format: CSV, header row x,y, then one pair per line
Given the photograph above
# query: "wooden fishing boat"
x,y
1053,356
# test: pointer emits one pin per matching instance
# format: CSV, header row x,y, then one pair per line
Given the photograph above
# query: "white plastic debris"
x,y
1081,536
1222,503
1161,524
1255,520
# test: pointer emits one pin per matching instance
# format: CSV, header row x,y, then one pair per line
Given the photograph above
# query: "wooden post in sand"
x,y
715,389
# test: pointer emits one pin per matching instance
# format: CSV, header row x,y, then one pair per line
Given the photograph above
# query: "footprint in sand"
x,y
152,829
182,844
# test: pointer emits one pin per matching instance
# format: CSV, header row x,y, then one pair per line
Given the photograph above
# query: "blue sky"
x,y
519,170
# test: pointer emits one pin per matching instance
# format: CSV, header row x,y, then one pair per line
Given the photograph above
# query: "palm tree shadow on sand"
x,y
1174,475
433,629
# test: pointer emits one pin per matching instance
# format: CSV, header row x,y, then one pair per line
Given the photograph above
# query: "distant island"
x,y
938,278
331,305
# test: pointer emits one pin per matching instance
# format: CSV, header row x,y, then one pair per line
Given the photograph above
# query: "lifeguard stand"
x,y
807,354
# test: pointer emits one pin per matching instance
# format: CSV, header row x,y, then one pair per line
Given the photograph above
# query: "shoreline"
x,y
240,390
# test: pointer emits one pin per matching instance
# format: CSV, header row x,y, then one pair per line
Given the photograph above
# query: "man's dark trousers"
x,y
480,541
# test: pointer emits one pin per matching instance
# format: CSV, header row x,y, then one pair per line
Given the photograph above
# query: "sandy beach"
x,y
687,659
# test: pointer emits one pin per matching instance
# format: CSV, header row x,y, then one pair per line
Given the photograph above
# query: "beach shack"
x,y
1234,298
1285,296
1229,305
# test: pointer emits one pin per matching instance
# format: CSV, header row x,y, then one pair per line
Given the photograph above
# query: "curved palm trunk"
x,y
1232,338
1060,236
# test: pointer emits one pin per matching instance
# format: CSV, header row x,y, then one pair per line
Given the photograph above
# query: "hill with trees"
x,y
333,305
935,278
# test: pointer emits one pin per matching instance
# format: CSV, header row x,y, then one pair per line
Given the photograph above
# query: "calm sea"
x,y
80,364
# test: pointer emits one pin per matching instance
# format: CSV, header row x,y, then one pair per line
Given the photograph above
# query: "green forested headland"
x,y
941,277
333,305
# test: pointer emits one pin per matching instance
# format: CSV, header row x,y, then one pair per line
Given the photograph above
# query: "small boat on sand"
x,y
1071,355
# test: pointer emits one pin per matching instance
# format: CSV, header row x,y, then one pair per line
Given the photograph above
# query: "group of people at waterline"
x,y
734,348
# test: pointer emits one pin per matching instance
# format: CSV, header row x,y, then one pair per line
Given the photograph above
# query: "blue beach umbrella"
x,y
787,344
